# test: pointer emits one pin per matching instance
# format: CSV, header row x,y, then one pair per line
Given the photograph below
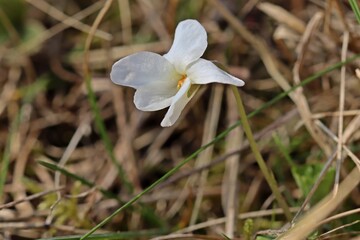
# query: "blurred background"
x,y
107,151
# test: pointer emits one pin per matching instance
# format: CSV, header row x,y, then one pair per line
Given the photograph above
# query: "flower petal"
x,y
189,44
152,75
178,103
204,72
152,99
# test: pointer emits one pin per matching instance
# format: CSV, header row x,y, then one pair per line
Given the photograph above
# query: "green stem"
x,y
4,164
355,9
269,177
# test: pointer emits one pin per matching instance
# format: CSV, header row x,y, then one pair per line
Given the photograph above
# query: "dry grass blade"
x,y
37,41
340,215
154,19
210,127
353,157
241,216
125,17
268,59
313,218
341,111
73,22
230,182
29,198
99,57
339,228
282,16
300,100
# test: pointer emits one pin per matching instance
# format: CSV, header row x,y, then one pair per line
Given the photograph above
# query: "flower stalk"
x,y
269,176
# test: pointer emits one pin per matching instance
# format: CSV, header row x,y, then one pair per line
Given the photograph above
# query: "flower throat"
x,y
181,81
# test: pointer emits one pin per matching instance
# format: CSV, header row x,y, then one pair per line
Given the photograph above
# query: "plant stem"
x,y
269,177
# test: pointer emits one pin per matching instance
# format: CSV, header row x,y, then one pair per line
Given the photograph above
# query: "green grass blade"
x,y
84,181
6,155
120,235
104,136
283,151
148,213
355,8
216,139
27,94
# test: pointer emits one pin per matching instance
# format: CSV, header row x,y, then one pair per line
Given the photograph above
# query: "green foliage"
x,y
67,210
313,236
28,93
13,14
248,229
189,9
305,177
29,37
260,237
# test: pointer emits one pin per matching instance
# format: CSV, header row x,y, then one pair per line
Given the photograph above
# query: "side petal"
x,y
203,72
177,105
189,44
152,75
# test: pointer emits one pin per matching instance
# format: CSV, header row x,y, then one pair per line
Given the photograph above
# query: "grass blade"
x,y
6,155
104,135
355,8
147,212
84,181
120,235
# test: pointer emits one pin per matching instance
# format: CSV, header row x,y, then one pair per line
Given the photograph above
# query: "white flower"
x,y
169,80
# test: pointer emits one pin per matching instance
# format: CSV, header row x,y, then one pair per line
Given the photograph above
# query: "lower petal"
x,y
177,105
145,100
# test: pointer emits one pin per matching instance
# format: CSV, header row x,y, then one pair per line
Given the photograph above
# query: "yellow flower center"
x,y
181,81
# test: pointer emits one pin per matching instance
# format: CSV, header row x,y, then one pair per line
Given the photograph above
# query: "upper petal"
x,y
189,44
177,105
152,75
203,71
